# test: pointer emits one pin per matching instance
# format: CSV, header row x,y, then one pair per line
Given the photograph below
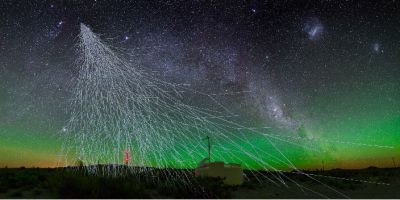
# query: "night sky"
x,y
325,71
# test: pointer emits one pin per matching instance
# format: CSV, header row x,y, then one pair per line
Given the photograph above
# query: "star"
x,y
313,28
60,23
376,47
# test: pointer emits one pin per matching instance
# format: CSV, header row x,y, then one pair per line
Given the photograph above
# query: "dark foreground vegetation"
x,y
156,183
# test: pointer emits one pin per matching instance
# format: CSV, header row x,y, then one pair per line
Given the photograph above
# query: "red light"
x,y
126,157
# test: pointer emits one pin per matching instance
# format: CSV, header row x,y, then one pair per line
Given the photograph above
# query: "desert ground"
x,y
78,183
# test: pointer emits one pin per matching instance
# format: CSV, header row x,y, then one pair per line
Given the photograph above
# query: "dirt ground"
x,y
52,183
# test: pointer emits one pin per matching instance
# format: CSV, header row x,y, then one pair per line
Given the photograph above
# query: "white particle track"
x,y
117,106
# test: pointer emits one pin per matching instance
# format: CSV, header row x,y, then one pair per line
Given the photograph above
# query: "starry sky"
x,y
325,71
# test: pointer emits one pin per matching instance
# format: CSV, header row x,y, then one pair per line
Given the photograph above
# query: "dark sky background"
x,y
332,67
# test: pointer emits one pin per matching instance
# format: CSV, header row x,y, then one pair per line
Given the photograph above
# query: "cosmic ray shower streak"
x,y
119,108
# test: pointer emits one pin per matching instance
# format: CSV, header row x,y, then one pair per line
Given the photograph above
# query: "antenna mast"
x,y
209,148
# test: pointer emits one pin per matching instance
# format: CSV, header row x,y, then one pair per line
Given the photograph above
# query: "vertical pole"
x,y
209,149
